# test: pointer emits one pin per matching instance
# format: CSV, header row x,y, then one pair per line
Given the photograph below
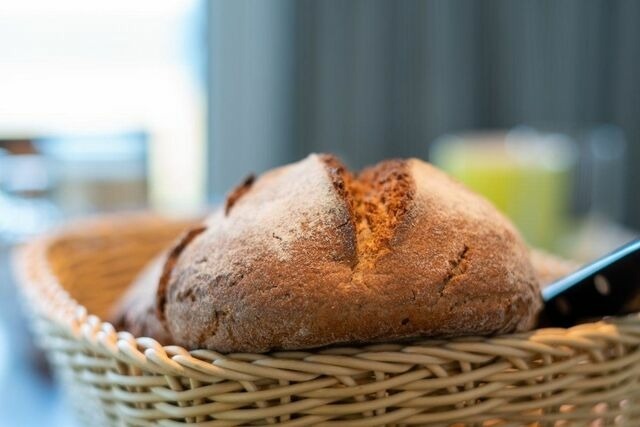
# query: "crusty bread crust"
x,y
309,255
136,311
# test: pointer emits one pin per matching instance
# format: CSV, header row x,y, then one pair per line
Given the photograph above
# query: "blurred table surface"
x,y
28,394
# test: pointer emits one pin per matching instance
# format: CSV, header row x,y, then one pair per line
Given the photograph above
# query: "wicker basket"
x,y
586,375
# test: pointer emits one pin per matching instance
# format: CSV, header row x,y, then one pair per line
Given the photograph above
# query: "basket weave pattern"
x,y
586,375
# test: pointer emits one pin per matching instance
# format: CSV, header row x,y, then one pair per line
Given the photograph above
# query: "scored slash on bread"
x,y
310,254
377,200
136,311
168,266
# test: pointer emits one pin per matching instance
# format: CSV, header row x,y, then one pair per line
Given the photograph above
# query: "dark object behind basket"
x,y
606,287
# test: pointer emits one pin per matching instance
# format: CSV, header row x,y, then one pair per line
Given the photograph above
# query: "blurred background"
x,y
165,105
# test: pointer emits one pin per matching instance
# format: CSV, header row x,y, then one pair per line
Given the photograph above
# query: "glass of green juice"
x,y
524,173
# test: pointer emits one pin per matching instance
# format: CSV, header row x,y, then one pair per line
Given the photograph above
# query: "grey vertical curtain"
x,y
374,79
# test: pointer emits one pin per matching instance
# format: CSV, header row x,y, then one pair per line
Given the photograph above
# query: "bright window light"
x,y
102,67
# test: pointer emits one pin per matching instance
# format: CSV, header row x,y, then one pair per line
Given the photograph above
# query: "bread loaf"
x,y
310,255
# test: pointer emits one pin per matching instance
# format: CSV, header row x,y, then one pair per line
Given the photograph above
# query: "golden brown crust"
x,y
312,256
136,311
379,197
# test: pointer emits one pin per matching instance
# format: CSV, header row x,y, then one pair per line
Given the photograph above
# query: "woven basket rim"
x,y
47,297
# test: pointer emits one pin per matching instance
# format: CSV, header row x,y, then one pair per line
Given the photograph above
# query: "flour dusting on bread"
x,y
282,207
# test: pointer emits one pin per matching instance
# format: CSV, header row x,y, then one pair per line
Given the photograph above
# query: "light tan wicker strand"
x,y
586,375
